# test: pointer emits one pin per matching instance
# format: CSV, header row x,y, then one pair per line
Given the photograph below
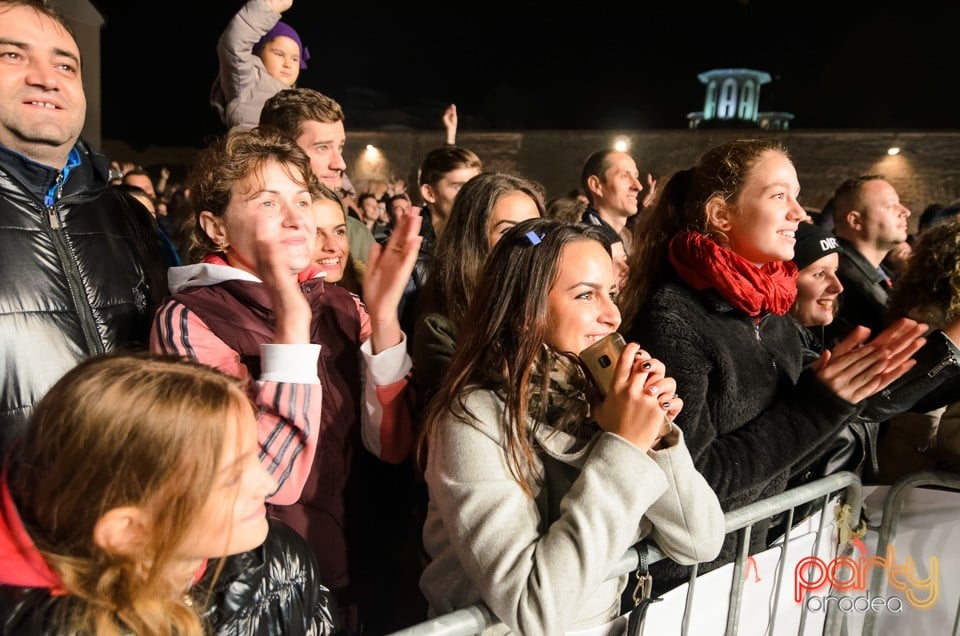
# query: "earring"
x,y
223,247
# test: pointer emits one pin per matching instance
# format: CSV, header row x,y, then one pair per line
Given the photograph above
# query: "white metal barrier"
x,y
938,524
476,618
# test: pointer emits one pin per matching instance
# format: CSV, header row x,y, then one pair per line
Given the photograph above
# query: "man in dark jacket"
x,y
80,264
611,182
869,221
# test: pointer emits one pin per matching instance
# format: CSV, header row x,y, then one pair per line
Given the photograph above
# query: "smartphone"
x,y
601,357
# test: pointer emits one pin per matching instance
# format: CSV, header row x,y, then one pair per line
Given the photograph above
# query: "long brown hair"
x,y
122,430
498,347
721,172
463,246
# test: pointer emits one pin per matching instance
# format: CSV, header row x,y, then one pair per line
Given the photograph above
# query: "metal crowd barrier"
x,y
892,506
476,618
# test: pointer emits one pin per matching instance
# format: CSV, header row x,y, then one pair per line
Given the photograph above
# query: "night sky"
x,y
512,66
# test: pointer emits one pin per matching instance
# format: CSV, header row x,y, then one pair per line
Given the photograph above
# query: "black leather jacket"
x,y
79,277
272,590
934,381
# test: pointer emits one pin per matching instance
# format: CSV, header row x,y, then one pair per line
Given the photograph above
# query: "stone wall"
x,y
927,169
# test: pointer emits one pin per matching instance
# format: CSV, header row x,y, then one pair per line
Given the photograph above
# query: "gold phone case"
x,y
600,359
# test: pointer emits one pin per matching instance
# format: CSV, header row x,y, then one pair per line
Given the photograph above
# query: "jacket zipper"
x,y
943,365
756,332
72,273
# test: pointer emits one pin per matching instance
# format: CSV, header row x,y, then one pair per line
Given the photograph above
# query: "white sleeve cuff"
x,y
390,365
293,363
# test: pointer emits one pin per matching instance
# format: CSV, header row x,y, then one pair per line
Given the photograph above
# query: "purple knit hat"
x,y
283,28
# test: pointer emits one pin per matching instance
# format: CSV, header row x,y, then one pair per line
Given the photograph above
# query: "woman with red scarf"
x,y
710,289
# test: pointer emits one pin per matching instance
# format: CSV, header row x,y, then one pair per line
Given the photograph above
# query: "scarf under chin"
x,y
703,264
569,394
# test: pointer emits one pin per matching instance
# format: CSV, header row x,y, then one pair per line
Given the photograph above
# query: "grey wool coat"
x,y
541,562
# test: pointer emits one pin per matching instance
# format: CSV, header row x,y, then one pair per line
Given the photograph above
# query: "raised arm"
x,y
287,394
235,47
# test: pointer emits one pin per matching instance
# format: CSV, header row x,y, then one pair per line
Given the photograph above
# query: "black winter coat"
x,y
77,278
750,411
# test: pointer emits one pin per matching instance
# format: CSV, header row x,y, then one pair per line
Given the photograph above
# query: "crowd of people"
x,y
260,401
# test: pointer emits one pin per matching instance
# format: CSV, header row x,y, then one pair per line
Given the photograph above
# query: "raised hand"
x,y
290,306
388,269
651,191
857,369
634,406
279,5
450,123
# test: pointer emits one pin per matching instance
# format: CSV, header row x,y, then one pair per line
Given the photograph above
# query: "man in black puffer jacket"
x,y
81,269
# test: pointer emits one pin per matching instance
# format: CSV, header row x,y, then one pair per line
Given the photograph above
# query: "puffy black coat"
x,y
78,278
272,590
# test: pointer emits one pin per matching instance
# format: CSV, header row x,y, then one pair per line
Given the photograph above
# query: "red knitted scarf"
x,y
703,264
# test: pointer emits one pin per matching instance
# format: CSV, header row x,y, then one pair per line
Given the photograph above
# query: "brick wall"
x,y
927,170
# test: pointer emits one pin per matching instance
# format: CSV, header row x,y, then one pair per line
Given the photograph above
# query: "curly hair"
x,y
929,289
230,160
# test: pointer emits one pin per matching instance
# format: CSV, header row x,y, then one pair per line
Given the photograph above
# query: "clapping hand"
x,y
857,369
388,269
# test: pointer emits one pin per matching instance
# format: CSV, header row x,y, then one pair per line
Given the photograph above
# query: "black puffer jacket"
x,y
933,382
272,590
275,589
77,278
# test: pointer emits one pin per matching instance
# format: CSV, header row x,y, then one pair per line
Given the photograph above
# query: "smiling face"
x,y
818,290
281,58
761,225
330,253
617,195
234,517
323,142
509,210
580,305
42,104
270,206
369,210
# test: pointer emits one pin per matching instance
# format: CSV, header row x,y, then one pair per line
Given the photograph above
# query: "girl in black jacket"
x,y
134,476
